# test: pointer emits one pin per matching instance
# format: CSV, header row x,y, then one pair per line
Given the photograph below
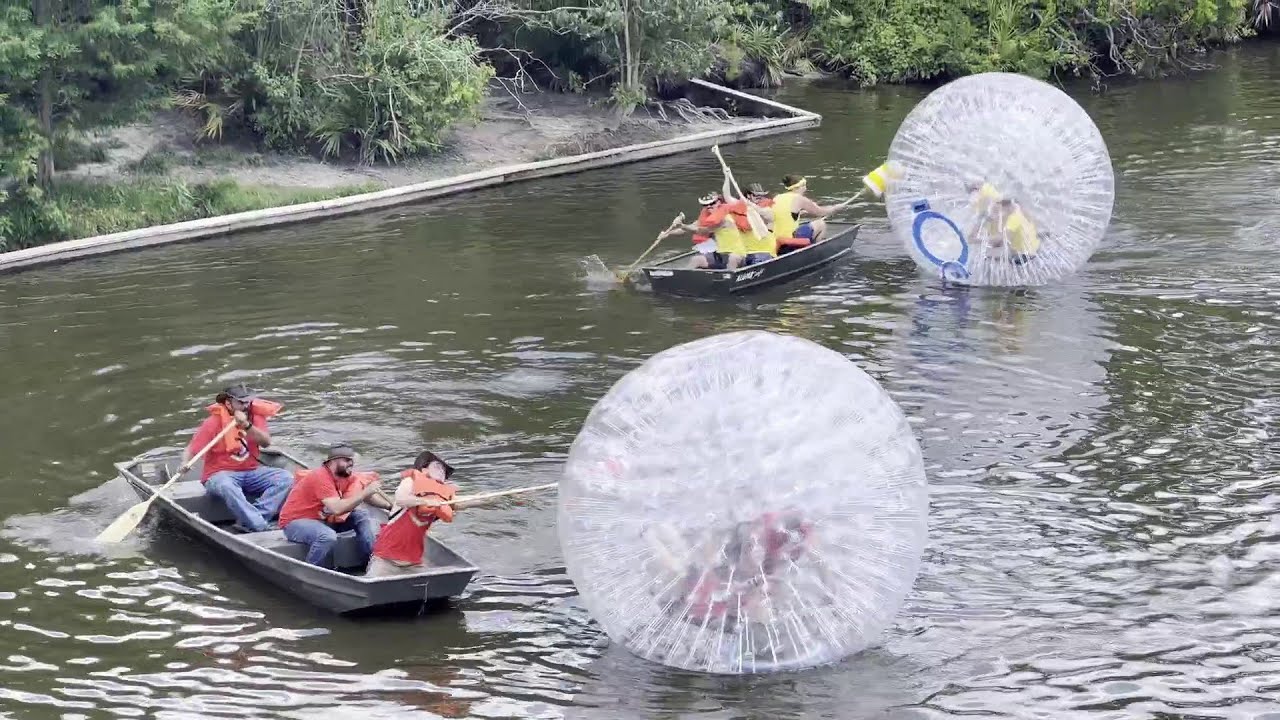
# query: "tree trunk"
x,y
626,45
43,12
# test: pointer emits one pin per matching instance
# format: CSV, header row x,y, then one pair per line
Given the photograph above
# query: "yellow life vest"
x,y
784,223
756,244
1021,234
730,240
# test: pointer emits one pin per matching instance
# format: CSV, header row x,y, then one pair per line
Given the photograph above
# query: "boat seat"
x,y
191,496
346,552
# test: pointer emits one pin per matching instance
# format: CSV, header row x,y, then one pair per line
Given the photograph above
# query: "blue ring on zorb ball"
x,y
923,215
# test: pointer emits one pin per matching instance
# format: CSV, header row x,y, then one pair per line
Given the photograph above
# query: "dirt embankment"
x,y
510,131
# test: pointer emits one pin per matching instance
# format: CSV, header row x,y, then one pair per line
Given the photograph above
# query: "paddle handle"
x,y
848,202
758,225
184,467
661,236
489,495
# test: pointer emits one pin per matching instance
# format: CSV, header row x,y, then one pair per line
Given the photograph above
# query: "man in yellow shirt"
x,y
1019,232
1002,220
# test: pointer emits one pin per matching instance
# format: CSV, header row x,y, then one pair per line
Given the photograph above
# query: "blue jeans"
x,y
319,536
269,485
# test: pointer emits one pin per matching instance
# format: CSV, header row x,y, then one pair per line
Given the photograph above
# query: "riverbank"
x,y
156,172
162,181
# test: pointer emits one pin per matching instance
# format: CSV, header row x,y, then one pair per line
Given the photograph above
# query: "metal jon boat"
x,y
270,556
675,277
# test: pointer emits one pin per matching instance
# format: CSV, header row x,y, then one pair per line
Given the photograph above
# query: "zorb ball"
x,y
744,503
999,179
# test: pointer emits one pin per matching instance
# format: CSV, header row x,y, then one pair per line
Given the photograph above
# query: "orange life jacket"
x,y
738,209
426,486
358,482
708,221
231,441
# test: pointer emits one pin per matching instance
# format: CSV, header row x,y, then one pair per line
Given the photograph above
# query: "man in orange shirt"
x,y
232,472
326,501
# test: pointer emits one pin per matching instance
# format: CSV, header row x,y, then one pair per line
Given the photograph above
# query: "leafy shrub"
x,y
379,79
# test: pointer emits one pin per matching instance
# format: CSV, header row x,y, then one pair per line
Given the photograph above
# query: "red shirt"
x,y
245,457
403,539
306,499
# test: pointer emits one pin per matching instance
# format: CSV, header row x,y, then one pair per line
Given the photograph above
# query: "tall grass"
x,y
76,209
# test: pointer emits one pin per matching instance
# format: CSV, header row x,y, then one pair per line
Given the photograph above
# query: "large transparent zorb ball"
x,y
999,179
744,503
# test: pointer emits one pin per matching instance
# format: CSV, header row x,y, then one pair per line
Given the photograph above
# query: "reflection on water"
x,y
1101,453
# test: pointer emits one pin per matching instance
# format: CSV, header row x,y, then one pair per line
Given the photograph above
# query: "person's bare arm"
x,y
379,499
337,505
255,433
809,207
404,495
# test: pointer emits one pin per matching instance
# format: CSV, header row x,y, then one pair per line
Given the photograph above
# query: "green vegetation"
x,y
78,208
380,80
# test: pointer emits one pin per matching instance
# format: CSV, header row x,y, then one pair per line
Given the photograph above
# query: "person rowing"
x,y
329,500
759,249
253,492
717,234
789,205
401,547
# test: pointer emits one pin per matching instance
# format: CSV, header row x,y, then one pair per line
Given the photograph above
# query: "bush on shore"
x,y
378,80
81,208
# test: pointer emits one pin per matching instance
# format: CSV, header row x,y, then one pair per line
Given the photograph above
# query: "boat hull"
x,y
674,277
270,557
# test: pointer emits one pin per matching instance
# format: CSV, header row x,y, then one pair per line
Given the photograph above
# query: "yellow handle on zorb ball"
x,y
877,181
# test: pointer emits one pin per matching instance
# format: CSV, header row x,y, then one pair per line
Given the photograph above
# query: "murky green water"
x,y
1102,455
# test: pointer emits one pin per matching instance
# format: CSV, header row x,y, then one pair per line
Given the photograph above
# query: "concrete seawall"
x,y
61,252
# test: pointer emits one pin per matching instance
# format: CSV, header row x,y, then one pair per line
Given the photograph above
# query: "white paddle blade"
x,y
125,524
758,225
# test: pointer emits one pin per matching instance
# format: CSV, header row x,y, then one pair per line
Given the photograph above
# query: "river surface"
x,y
1102,456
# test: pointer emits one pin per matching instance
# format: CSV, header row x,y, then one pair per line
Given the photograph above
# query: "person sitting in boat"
x,y
401,545
759,249
715,235
253,492
787,208
328,500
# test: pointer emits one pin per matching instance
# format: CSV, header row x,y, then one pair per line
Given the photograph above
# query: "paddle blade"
x,y
758,225
125,524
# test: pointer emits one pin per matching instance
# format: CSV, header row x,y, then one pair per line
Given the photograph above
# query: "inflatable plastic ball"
x,y
745,503
999,179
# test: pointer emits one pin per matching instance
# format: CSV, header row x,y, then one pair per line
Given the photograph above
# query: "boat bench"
x,y
346,552
191,496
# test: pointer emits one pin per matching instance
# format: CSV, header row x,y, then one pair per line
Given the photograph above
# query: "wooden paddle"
x,y
661,236
125,524
489,495
758,225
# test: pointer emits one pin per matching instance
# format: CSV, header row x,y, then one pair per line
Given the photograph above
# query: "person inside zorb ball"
x,y
999,179
744,503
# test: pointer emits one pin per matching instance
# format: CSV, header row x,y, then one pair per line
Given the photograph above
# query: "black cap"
x,y
341,450
426,457
237,392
